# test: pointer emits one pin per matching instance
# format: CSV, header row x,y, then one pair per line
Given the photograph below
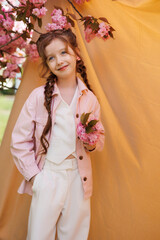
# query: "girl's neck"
x,y
67,83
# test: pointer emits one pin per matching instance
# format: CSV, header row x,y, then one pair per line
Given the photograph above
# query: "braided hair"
x,y
66,35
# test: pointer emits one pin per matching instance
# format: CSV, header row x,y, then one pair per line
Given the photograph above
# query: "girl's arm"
x,y
22,140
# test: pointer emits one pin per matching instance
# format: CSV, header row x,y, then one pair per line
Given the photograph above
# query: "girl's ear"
x,y
78,54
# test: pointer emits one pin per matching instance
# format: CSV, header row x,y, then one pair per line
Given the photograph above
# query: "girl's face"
x,y
61,59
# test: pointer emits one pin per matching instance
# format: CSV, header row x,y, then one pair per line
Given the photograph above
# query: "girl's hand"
x,y
88,147
32,179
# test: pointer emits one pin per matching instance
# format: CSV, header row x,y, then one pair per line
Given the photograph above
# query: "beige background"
x,y
125,74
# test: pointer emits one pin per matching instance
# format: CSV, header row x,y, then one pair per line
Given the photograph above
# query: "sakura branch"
x,y
16,30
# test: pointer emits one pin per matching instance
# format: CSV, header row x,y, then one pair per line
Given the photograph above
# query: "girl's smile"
x,y
63,68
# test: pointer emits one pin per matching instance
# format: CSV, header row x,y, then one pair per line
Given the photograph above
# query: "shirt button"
x,y
77,115
85,179
80,157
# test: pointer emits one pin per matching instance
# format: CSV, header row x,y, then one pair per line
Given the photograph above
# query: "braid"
x,y
49,88
82,70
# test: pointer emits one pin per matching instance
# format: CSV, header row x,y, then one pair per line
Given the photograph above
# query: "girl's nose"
x,y
59,60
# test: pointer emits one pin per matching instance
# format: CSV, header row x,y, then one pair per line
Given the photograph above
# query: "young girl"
x,y
46,149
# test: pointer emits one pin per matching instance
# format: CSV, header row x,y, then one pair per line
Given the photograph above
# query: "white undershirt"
x,y
63,137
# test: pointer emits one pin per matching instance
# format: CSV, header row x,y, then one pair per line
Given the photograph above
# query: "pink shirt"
x,y
25,143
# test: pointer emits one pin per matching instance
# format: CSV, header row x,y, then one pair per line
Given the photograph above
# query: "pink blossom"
x,y
103,30
23,1
8,23
52,26
31,50
43,11
36,11
93,137
4,39
12,74
11,66
38,3
16,60
90,138
56,12
89,35
59,21
19,26
79,2
6,73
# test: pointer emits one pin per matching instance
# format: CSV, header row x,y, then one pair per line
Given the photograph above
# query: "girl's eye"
x,y
51,58
63,52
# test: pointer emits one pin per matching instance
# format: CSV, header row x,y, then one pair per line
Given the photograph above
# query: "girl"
x,y
46,149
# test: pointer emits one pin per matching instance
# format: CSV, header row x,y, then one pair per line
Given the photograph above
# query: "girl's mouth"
x,y
63,68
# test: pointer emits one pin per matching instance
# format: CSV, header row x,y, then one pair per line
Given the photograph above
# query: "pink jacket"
x,y
25,143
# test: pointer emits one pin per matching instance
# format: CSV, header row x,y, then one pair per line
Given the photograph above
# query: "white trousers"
x,y
58,204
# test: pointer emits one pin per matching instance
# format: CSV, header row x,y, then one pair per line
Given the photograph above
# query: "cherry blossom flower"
x,y
23,1
8,23
90,138
39,12
43,11
103,31
79,2
12,75
58,21
56,12
38,3
36,11
31,51
89,129
6,73
89,35
19,26
52,26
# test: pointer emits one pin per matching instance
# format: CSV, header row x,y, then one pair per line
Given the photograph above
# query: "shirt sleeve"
x,y
22,141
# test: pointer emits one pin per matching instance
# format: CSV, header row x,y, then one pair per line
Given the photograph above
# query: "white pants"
x,y
58,200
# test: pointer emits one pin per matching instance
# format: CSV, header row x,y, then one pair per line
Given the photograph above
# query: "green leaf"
x,y
70,21
32,42
72,15
104,19
95,26
82,118
19,16
89,129
34,17
111,35
86,117
3,64
112,29
40,22
92,123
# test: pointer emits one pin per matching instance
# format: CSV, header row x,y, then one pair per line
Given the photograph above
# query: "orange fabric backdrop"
x,y
125,74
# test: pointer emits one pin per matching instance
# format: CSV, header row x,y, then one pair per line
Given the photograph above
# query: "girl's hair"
x,y
67,36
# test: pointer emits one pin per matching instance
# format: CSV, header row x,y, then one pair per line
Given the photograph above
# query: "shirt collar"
x,y
81,87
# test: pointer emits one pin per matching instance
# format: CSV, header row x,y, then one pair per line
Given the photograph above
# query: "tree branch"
x,y
75,8
10,41
11,4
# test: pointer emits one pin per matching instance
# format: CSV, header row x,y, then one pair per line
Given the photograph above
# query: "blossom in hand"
x,y
88,131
